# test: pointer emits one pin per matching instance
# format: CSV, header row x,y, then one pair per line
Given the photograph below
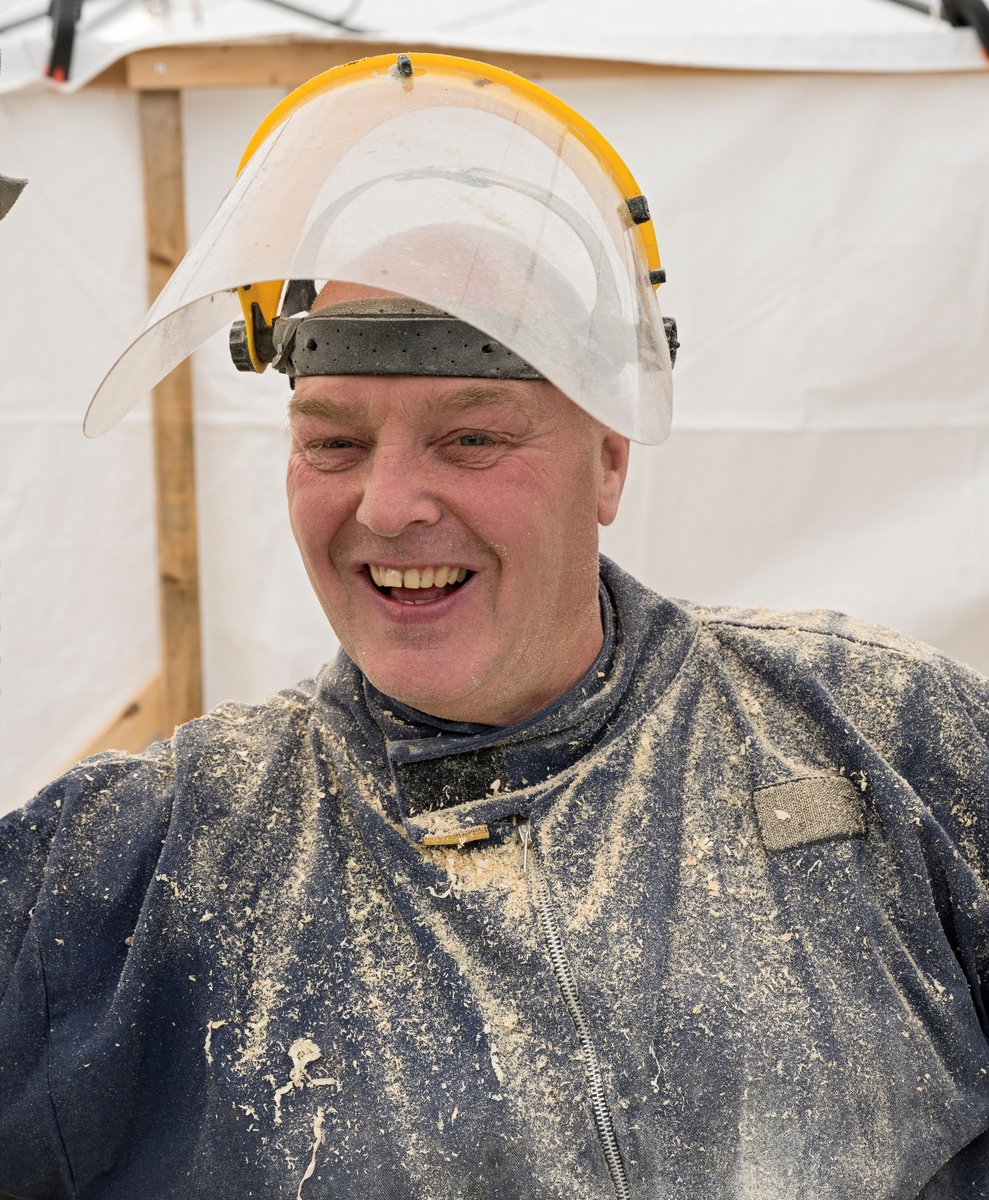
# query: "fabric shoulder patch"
x,y
822,808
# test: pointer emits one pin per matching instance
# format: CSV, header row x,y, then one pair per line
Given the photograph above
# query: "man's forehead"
x,y
363,400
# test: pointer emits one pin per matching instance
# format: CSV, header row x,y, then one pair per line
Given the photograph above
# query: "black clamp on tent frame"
x,y
65,16
958,13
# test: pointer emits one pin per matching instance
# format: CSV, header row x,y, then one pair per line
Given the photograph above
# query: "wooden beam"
x,y
132,729
113,76
289,63
178,556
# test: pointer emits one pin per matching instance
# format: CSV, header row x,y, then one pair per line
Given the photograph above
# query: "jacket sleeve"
x,y
950,769
963,745
973,691
25,840
29,1159
52,853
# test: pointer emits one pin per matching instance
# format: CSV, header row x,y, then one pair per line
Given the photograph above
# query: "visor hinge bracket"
x,y
638,209
283,340
670,328
264,346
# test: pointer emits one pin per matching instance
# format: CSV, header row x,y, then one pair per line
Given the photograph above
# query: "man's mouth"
x,y
417,585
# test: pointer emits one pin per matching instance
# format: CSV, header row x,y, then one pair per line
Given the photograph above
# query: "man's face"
x,y
498,486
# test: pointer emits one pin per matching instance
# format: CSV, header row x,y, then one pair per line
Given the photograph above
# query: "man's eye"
x,y
472,439
333,454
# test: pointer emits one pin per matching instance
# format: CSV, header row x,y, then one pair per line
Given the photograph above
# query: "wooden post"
x,y
178,556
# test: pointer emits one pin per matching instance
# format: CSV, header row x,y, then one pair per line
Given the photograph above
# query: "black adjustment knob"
x,y
238,347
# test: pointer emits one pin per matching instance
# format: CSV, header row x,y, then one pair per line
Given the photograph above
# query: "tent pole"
x,y
178,557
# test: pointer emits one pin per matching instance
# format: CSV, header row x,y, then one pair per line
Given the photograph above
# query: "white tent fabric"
x,y
827,244
779,35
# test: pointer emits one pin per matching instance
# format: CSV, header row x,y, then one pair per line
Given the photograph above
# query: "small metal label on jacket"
x,y
823,808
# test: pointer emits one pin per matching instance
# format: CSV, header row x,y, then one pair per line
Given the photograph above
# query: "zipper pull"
x,y
524,838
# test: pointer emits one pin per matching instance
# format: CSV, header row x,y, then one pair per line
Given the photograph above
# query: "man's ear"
x,y
613,468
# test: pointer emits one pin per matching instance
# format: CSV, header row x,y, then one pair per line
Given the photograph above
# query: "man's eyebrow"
x,y
325,407
464,400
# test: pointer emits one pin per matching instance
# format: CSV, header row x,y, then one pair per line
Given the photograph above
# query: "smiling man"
x,y
547,886
449,528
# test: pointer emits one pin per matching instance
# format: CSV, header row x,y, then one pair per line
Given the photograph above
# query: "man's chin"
x,y
448,706
439,684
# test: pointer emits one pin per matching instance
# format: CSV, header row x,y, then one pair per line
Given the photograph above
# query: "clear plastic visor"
x,y
452,189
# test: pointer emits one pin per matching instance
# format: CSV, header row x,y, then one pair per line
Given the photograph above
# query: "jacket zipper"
x,y
567,983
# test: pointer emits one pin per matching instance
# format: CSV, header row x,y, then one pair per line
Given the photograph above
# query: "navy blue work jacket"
x,y
302,949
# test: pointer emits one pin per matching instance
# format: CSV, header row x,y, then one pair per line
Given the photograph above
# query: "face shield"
x,y
447,181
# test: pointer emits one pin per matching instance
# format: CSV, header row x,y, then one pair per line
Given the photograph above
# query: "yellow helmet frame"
x,y
267,294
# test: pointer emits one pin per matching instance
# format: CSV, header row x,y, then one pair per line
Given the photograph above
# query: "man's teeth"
x,y
417,577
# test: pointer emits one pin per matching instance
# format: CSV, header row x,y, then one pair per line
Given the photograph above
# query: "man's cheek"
x,y
506,503
315,505
302,518
518,521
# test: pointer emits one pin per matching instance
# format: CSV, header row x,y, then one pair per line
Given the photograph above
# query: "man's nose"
x,y
397,494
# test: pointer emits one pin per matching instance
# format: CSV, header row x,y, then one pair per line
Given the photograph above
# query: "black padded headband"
x,y
392,335
387,336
